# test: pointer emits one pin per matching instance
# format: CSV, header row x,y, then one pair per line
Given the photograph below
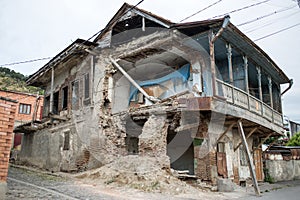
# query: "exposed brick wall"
x,y
24,98
7,116
204,166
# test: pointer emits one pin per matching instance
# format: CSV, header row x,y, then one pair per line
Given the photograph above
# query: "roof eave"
x,y
55,60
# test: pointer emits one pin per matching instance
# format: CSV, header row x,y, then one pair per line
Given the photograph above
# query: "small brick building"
x,y
29,107
25,106
7,117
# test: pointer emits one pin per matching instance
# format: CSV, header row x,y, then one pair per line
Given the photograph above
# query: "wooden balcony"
x,y
240,98
236,104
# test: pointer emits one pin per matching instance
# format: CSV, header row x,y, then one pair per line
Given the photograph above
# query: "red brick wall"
x,y
7,115
24,98
204,166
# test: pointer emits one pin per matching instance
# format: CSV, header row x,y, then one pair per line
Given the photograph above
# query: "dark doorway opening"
x,y
180,149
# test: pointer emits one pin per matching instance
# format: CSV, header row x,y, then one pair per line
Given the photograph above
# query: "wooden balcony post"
x,y
246,78
259,83
260,89
51,90
246,73
270,91
229,58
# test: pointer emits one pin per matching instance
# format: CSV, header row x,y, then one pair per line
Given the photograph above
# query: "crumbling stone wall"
x,y
153,140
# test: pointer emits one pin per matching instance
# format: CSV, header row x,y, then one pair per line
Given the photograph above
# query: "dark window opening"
x,y
75,95
66,141
253,80
86,86
133,130
276,97
55,102
265,89
131,28
65,98
25,109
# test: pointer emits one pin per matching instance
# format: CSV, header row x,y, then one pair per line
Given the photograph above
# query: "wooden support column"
x,y
36,106
51,90
229,58
246,73
270,91
249,158
249,134
259,83
143,24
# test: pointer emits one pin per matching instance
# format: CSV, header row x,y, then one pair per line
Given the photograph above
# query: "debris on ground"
x,y
142,173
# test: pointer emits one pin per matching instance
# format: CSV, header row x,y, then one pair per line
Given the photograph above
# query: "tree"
x,y
294,141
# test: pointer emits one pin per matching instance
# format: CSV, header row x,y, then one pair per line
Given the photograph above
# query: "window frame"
x,y
24,108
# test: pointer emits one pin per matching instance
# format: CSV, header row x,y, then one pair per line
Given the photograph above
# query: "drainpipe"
x,y
291,82
224,25
213,38
151,98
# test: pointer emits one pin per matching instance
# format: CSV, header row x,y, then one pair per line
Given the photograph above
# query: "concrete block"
x,y
225,185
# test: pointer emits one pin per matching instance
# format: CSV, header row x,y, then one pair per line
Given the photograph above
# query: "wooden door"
x,y
258,164
222,164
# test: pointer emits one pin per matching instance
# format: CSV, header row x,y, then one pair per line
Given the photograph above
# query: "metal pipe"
x,y
213,38
224,25
291,82
151,98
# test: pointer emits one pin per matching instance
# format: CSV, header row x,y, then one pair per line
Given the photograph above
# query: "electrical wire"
x,y
200,10
252,29
248,22
27,61
276,32
267,15
84,42
239,9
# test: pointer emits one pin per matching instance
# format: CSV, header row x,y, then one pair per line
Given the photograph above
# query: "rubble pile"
x,y
142,173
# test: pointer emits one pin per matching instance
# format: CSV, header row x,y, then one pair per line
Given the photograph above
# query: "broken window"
x,y
75,95
65,97
25,109
86,86
66,140
55,102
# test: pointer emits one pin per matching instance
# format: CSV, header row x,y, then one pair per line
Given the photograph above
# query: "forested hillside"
x,y
15,81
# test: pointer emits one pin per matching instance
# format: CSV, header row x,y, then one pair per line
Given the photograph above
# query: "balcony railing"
x,y
244,100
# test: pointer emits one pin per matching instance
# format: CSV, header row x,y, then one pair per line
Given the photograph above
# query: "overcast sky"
x,y
34,29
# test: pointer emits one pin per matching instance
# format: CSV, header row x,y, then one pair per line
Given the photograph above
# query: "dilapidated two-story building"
x,y
187,94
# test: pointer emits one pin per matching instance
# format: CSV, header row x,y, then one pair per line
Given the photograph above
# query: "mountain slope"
x,y
15,81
